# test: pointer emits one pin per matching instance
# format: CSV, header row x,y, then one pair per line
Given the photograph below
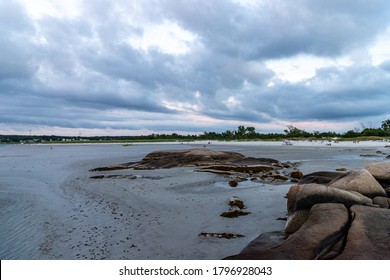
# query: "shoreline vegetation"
x,y
242,134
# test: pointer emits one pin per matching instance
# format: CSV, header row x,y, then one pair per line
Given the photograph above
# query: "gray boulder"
x,y
302,197
360,181
369,234
321,177
381,172
325,227
383,202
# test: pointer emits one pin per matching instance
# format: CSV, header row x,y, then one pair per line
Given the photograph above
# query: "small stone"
x,y
236,202
97,177
297,174
233,183
341,169
234,214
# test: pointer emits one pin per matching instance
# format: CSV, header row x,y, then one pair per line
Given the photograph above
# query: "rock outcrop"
x,y
235,165
332,215
369,234
321,177
325,226
360,181
381,172
179,158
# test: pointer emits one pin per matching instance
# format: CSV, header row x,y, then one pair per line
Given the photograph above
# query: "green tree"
x,y
373,132
386,126
251,132
293,131
351,134
241,131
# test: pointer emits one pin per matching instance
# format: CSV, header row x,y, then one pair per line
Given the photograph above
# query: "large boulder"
x,y
194,157
360,181
326,226
381,172
179,158
302,197
382,202
369,235
320,177
296,220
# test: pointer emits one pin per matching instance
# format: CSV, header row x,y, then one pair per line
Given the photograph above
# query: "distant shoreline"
x,y
207,143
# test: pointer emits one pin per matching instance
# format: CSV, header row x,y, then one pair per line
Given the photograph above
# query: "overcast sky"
x,y
131,67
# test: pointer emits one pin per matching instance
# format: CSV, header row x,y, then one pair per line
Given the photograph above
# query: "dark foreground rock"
x,y
301,198
369,235
326,225
360,181
381,172
321,177
346,216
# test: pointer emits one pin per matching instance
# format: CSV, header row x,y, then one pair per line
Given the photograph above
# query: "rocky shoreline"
x,y
347,216
330,215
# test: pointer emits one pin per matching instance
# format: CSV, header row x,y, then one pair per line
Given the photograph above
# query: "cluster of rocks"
x,y
237,207
332,215
235,165
377,154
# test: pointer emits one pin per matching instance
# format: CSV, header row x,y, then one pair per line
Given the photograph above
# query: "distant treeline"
x,y
242,133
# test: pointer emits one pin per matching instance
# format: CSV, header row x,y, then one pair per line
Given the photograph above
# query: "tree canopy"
x,y
242,133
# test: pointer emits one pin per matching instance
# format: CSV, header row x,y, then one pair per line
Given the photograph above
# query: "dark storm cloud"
x,y
15,42
76,71
335,94
282,28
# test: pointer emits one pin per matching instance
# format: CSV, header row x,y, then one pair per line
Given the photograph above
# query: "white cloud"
x,y
380,49
168,37
232,102
180,62
181,106
301,67
38,9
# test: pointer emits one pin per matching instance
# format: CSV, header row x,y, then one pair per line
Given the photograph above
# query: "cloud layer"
x,y
131,67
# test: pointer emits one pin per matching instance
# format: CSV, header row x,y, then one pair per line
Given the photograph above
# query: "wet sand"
x,y
52,209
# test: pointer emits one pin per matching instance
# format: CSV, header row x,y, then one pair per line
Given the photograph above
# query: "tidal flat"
x,y
51,208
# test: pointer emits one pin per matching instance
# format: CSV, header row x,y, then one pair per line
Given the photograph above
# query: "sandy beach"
x,y
52,209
